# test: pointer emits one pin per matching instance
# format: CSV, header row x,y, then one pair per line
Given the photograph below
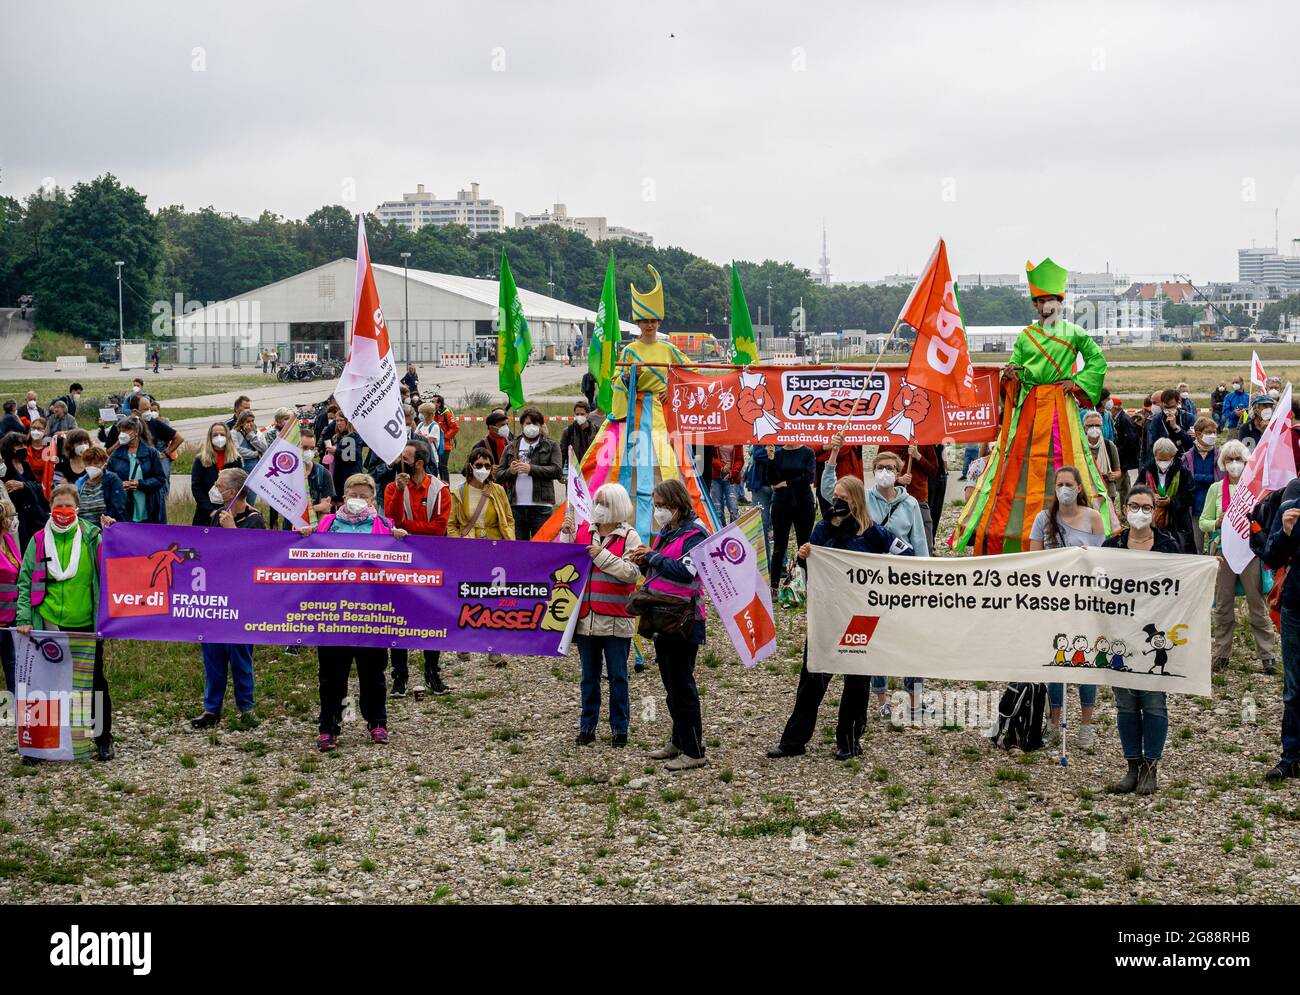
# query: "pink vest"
x,y
9,582
663,585
378,525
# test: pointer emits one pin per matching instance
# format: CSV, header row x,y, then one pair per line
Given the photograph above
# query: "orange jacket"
x,y
409,509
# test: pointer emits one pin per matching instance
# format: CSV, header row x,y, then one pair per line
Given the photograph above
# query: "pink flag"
x,y
1271,466
1257,375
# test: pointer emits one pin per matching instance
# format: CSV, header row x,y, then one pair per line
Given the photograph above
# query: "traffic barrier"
x,y
453,359
305,357
784,359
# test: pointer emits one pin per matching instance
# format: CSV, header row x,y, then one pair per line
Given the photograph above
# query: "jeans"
x,y
335,666
1087,695
852,719
726,500
676,659
402,671
529,518
217,658
166,477
971,454
881,684
613,651
1290,685
1142,718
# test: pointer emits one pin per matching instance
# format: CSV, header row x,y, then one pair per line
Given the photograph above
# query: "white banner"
x,y
728,567
53,672
1075,615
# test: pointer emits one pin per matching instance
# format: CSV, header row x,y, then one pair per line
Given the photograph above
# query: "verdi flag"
x,y
280,478
940,359
514,341
367,390
728,565
744,350
603,352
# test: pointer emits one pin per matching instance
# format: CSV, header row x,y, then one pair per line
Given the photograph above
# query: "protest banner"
x,y
53,672
810,404
727,563
181,583
1075,615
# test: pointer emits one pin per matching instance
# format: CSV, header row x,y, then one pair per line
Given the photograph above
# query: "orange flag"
x,y
940,359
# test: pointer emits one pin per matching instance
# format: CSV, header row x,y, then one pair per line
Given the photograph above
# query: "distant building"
x,y
598,229
1267,266
415,210
1013,281
1252,297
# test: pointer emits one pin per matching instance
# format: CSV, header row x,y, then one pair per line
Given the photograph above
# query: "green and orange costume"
x,y
1041,430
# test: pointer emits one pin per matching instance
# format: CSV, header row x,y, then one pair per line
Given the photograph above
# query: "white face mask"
x,y
1208,440
94,472
357,505
503,431
1234,467
885,478
1066,495
1094,432
1275,394
481,473
580,419
532,431
1236,386
150,415
214,495
37,435
1266,413
218,442
80,449
1139,519
1110,403
307,456
600,514
32,406
1164,464
125,438
662,517
1184,395
3,468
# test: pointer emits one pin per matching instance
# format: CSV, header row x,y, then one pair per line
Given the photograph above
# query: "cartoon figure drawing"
x,y
909,406
1117,651
1059,643
1080,657
164,560
1102,649
1160,645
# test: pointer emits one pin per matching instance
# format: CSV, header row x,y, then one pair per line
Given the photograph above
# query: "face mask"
x,y
1164,464
125,438
885,478
662,517
1275,394
1236,386
504,431
1094,433
135,388
840,509
481,473
1109,404
80,449
1266,413
3,468
1066,495
1139,519
307,456
1171,412
149,415
580,419
1234,467
356,505
218,442
600,514
215,496
1184,395
1208,441
63,518
94,472
532,431
37,435
32,406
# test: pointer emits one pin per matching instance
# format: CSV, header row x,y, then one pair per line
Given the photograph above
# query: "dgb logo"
x,y
859,631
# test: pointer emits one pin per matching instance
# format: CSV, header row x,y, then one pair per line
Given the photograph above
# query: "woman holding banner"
x,y
1069,521
480,509
848,526
1233,455
357,513
1142,717
1055,366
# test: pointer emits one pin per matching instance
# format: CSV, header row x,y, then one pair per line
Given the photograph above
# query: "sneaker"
x,y
843,755
779,751
584,739
326,742
885,711
684,762
437,687
669,752
31,761
1270,667
292,651
399,691
462,655
1087,736
379,735
639,668
104,751
205,721
618,739
1282,770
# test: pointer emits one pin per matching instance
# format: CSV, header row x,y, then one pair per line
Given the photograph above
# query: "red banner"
x,y
810,404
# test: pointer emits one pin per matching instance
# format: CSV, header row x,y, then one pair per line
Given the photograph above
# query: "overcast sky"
x,y
1156,138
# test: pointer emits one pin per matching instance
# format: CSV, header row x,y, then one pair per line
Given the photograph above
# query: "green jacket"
x,y
31,580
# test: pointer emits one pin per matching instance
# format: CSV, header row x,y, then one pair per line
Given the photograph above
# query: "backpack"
x,y
1262,515
1020,717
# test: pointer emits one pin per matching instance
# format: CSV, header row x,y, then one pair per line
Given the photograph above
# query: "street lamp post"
x,y
406,309
121,334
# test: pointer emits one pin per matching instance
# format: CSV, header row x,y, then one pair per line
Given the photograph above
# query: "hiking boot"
x,y
585,739
1270,667
205,721
668,752
684,762
1282,770
1087,736
779,751
1130,781
1146,778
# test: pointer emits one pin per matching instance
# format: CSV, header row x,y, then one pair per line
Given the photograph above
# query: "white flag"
x,y
729,571
279,477
579,499
1271,466
1257,375
367,391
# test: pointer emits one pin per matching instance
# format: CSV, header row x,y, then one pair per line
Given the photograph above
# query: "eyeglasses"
x,y
1140,507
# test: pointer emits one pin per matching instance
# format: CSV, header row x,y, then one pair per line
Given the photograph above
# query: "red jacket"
x,y
732,472
415,515
848,464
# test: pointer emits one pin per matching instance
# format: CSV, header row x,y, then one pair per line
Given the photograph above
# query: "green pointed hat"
x,y
1046,278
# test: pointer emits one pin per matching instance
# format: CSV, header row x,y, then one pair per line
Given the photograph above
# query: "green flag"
x,y
514,341
744,349
603,352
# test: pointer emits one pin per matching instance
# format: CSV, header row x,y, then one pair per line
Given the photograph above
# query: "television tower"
x,y
824,263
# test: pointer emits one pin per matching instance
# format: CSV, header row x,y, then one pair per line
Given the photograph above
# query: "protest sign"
x,y
54,672
178,583
280,478
727,563
810,404
1074,615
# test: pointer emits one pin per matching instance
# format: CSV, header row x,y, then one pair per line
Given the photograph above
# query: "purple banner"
x,y
179,583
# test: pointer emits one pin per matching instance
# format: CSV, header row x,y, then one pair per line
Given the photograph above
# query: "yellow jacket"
x,y
496,521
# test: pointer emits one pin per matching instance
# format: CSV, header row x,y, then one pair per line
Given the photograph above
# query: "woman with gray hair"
x,y
1232,461
1172,485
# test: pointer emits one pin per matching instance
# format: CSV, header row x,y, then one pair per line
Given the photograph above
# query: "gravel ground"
x,y
482,796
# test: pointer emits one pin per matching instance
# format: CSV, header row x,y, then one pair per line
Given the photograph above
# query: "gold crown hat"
x,y
1046,279
650,305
